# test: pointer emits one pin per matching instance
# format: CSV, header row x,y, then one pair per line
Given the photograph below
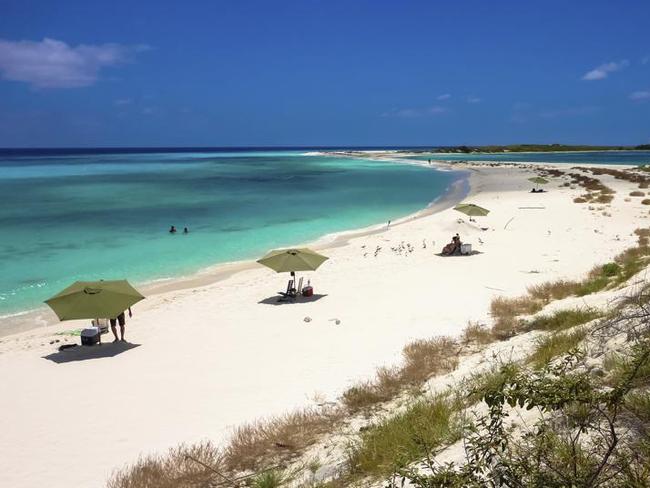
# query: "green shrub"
x,y
611,269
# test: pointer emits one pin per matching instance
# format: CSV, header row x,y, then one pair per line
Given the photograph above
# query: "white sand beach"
x,y
211,356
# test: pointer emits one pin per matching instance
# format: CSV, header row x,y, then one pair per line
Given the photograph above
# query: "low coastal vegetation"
x,y
506,312
422,359
259,454
397,441
533,148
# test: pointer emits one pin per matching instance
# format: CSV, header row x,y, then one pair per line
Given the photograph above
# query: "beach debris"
x,y
307,319
377,251
480,241
335,320
424,243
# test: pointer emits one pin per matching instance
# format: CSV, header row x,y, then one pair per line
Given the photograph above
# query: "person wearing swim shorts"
x,y
120,319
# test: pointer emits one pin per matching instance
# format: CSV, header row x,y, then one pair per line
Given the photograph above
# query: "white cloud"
x,y
640,95
602,71
645,60
54,64
120,102
415,112
445,96
472,99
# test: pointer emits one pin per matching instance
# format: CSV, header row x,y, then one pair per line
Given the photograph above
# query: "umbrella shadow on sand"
x,y
81,353
473,253
275,300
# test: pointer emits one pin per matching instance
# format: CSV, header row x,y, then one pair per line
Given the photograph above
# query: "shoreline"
x,y
40,317
204,360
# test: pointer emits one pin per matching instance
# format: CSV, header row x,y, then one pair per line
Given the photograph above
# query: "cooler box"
x,y
307,291
90,336
466,249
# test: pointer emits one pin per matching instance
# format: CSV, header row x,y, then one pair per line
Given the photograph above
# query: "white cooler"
x,y
466,249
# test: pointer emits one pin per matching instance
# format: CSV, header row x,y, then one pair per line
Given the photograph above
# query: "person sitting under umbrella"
x,y
453,247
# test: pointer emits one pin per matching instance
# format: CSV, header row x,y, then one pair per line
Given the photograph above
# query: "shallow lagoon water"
x,y
66,217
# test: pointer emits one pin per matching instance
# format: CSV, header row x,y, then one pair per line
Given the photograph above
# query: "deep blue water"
x,y
89,214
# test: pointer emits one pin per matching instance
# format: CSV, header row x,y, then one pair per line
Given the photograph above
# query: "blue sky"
x,y
218,73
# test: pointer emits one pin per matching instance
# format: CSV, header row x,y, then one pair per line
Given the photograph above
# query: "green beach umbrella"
x,y
471,210
94,299
285,260
538,180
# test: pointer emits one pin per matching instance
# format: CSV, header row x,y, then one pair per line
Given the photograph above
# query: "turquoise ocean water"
x,y
91,215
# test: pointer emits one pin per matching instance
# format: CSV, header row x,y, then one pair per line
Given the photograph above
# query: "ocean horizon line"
x,y
237,148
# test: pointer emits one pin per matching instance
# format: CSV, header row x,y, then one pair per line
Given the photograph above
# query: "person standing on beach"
x,y
121,319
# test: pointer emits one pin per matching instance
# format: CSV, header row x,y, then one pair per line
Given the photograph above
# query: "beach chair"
x,y
291,291
299,287
101,324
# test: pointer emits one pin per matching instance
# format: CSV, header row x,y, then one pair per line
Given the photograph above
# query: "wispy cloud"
x,y
415,112
445,96
601,72
54,64
120,102
639,96
567,112
472,99
645,60
520,112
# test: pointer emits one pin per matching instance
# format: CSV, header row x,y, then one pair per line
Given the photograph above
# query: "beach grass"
x,y
268,479
421,359
554,345
177,468
252,443
562,319
397,441
476,333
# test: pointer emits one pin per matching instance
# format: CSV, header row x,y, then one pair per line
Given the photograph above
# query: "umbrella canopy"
x,y
471,210
94,299
284,260
538,180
